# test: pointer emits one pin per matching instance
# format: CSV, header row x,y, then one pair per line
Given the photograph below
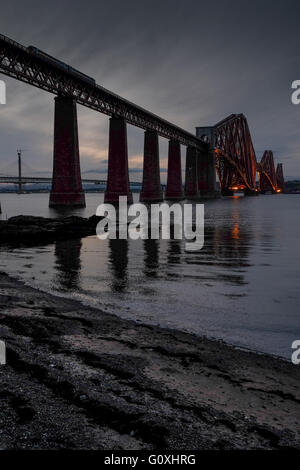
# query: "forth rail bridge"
x,y
225,148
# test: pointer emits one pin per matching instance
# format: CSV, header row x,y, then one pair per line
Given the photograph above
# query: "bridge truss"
x,y
280,178
235,156
19,62
267,174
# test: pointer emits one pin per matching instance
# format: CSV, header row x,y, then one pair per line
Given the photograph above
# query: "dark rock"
x,y
29,220
28,229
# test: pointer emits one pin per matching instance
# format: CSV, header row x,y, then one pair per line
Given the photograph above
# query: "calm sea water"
x,y
242,287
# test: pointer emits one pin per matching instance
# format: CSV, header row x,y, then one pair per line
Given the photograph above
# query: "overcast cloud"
x,y
191,62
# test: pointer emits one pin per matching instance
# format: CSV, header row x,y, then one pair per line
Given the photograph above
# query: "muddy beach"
x,y
79,378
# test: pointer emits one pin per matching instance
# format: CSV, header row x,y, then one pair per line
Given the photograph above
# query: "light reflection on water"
x,y
243,286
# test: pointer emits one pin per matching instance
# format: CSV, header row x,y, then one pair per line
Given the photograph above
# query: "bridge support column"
x,y
151,189
66,188
118,175
174,182
191,179
206,165
207,174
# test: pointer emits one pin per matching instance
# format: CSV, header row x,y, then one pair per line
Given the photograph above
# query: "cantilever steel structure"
x,y
236,161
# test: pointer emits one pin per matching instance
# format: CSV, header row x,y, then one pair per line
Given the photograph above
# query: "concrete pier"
x,y
206,165
118,175
151,189
66,184
191,174
174,182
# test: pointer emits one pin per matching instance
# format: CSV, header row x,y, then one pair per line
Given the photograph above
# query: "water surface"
x,y
242,287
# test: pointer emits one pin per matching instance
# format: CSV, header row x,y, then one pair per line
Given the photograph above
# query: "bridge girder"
x,y
18,62
234,152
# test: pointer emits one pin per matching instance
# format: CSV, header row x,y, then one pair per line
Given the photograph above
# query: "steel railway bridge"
x,y
226,147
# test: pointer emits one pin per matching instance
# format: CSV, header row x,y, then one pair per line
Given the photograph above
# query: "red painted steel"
x,y
191,174
280,178
66,184
174,181
151,189
118,175
234,153
235,156
267,174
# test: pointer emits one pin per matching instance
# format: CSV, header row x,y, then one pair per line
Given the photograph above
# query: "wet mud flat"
x,y
79,378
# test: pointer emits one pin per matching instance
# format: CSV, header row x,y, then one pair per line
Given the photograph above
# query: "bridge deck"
x,y
19,62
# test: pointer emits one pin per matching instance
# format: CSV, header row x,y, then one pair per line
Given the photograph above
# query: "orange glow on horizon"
x,y
236,232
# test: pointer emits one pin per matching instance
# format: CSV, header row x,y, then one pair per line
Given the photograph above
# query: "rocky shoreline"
x,y
32,229
79,378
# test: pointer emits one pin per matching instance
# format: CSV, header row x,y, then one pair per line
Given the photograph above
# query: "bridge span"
x,y
225,147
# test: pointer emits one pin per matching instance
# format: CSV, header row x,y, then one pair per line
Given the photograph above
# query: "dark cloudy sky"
x,y
192,62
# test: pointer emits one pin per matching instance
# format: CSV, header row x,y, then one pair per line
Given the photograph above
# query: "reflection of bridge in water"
x,y
226,247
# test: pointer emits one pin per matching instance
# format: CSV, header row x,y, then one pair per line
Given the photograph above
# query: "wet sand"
x,y
79,378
